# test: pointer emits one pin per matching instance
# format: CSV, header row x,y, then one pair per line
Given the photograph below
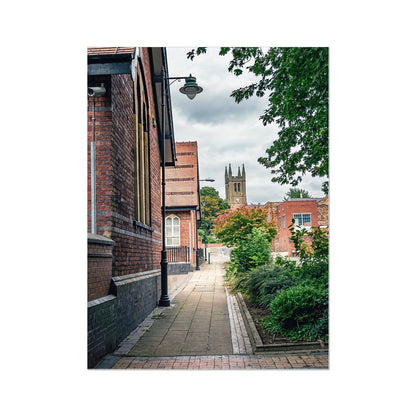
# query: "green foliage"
x,y
265,282
296,81
214,206
314,273
235,226
253,251
237,281
319,249
296,295
296,193
300,313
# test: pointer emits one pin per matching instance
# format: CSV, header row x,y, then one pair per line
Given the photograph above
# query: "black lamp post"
x,y
197,258
191,88
205,228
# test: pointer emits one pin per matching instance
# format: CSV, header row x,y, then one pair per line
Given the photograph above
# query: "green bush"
x,y
265,282
313,273
252,252
296,295
236,280
300,313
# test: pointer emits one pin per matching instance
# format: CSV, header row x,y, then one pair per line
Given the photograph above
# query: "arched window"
x,y
238,187
172,231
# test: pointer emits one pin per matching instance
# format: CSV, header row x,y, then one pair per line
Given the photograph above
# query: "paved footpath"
x,y
202,329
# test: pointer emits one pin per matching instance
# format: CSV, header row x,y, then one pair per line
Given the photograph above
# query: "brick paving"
x,y
224,362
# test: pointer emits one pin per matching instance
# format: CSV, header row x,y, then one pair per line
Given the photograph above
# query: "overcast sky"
x,y
226,132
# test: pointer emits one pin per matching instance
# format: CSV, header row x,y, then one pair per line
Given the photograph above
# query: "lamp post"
x,y
197,258
205,228
190,89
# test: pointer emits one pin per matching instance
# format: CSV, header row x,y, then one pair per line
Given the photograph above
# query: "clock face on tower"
x,y
237,199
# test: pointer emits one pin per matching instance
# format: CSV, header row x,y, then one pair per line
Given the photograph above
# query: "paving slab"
x,y
197,324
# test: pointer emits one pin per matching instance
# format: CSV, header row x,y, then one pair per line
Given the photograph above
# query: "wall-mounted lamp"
x,y
191,88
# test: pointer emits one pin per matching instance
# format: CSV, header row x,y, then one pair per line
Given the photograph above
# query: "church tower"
x,y
235,187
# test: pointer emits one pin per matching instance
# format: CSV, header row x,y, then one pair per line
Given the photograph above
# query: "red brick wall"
x,y
136,247
103,143
272,216
182,179
99,268
186,218
289,208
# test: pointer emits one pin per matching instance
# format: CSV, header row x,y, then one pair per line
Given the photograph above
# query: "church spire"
x,y
226,175
229,171
244,172
239,173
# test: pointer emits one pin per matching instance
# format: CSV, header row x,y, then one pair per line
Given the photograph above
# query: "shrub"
x,y
314,273
300,313
266,282
236,280
319,247
252,252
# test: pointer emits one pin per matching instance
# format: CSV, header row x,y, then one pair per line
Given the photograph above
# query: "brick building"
x,y
124,191
182,207
305,213
272,216
323,212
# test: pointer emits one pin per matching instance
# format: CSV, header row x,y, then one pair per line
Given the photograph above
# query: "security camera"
x,y
96,90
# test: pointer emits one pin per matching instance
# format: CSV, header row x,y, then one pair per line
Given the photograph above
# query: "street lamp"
x,y
197,258
205,228
191,88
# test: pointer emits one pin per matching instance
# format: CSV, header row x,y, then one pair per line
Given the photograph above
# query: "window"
x,y
141,154
238,187
172,231
280,223
284,221
302,219
235,187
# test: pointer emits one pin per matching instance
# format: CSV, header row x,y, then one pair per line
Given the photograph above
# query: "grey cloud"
x,y
226,132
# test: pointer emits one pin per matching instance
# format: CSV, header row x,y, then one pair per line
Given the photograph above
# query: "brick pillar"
x,y
100,257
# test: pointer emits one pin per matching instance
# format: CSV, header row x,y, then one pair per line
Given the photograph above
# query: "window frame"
x,y
170,228
141,152
302,225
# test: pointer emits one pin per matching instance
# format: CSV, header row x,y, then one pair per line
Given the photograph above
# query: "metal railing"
x,y
179,254
201,255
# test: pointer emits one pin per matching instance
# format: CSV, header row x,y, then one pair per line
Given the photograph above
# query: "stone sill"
x,y
99,239
141,225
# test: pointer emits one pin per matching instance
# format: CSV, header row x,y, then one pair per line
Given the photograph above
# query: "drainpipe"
x,y
93,200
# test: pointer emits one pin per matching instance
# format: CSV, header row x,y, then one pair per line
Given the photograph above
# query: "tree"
x,y
296,80
214,205
252,252
296,193
235,226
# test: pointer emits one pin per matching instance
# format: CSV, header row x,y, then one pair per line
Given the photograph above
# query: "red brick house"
x,y
182,207
323,212
124,190
272,216
305,213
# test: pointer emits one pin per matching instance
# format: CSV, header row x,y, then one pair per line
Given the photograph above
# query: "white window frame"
x,y
297,222
173,231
